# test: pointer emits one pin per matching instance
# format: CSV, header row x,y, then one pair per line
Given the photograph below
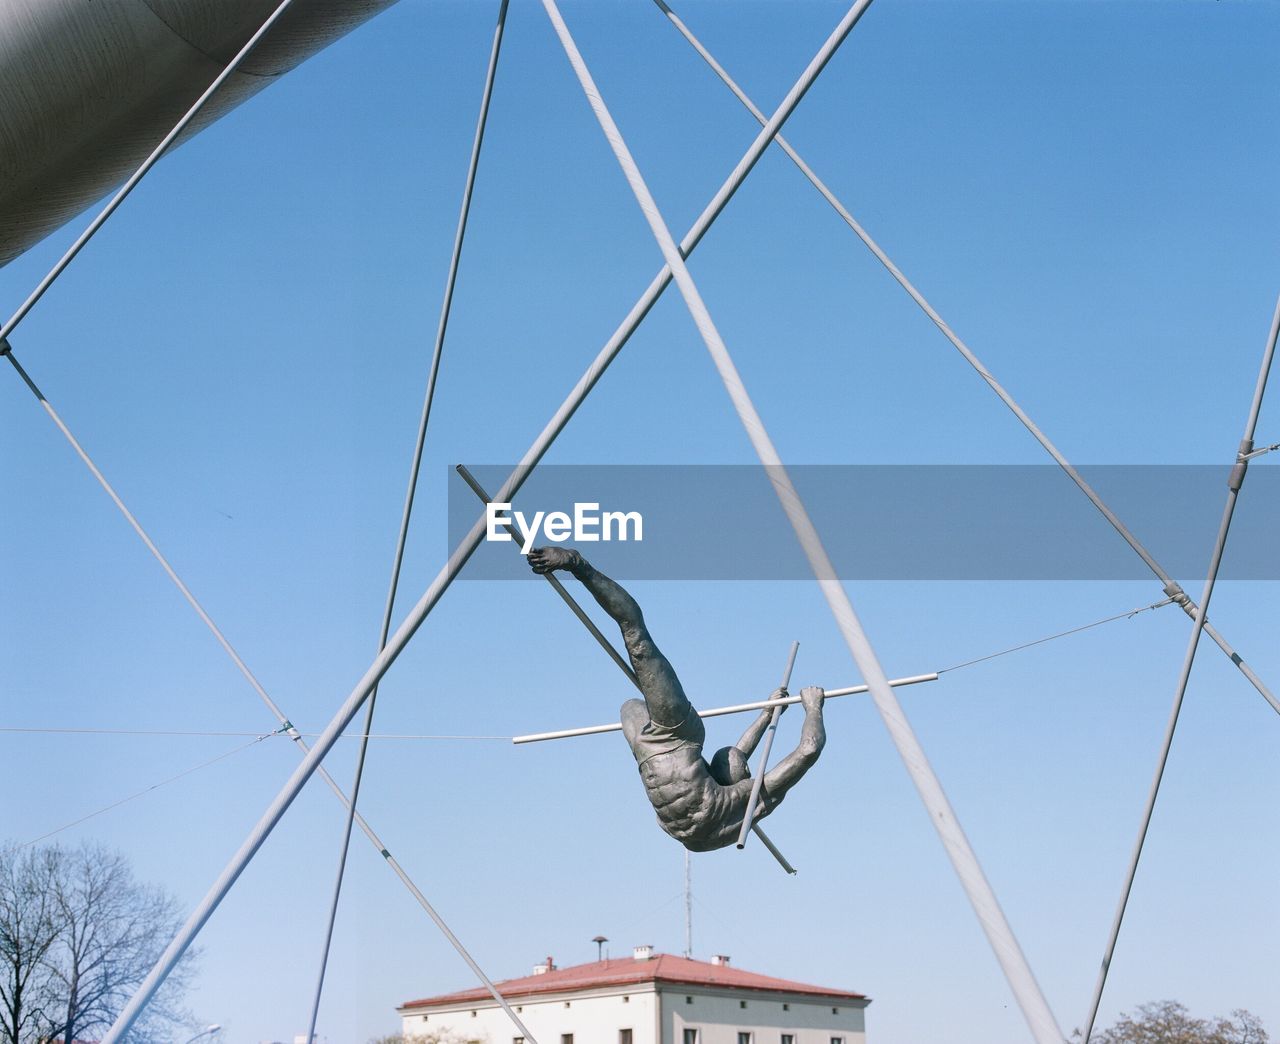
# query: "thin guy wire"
x,y
1012,961
1172,587
154,786
435,736
467,546
1233,491
249,676
1061,634
451,279
140,173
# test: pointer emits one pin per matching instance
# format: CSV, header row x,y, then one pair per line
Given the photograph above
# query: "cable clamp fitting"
x,y
1236,479
1260,451
5,347
1180,597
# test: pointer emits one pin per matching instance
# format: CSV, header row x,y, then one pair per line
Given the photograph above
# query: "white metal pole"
x,y
402,536
1021,980
559,588
749,816
217,892
286,725
141,172
737,708
1171,586
1234,482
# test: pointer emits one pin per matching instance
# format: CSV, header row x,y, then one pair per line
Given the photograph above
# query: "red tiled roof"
x,y
621,971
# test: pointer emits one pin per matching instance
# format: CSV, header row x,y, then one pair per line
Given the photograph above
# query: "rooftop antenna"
x,y
599,940
688,906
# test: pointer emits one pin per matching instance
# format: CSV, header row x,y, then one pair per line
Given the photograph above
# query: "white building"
x,y
646,999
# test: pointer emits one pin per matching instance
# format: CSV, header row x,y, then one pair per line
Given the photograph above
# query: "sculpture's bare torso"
x,y
691,806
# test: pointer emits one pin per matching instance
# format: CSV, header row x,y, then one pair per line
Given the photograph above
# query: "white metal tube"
x,y
204,910
554,582
737,708
1171,585
1215,561
773,849
473,166
1009,954
141,172
750,815
287,726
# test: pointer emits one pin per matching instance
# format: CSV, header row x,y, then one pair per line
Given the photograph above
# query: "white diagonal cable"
x,y
1007,951
402,537
141,172
1172,587
59,267
467,546
286,725
1234,483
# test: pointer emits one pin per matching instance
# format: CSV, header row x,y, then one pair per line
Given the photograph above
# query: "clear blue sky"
x,y
1084,189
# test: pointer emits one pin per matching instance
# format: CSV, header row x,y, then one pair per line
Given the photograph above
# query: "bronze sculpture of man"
x,y
699,803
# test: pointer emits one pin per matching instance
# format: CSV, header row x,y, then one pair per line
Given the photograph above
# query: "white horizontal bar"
x,y
738,708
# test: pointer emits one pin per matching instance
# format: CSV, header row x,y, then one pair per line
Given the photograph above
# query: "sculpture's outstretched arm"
x,y
813,737
755,731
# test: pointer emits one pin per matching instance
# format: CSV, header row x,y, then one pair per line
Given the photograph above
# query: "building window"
x,y
837,1040
788,1038
624,1036
690,1036
744,1038
786,1007
567,1038
626,998
688,1000
517,1040
743,1004
566,1004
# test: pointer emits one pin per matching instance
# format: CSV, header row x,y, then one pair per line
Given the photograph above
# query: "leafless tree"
x,y
1168,1022
29,928
86,935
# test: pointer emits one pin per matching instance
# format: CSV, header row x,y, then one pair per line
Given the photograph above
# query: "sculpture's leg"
x,y
663,694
